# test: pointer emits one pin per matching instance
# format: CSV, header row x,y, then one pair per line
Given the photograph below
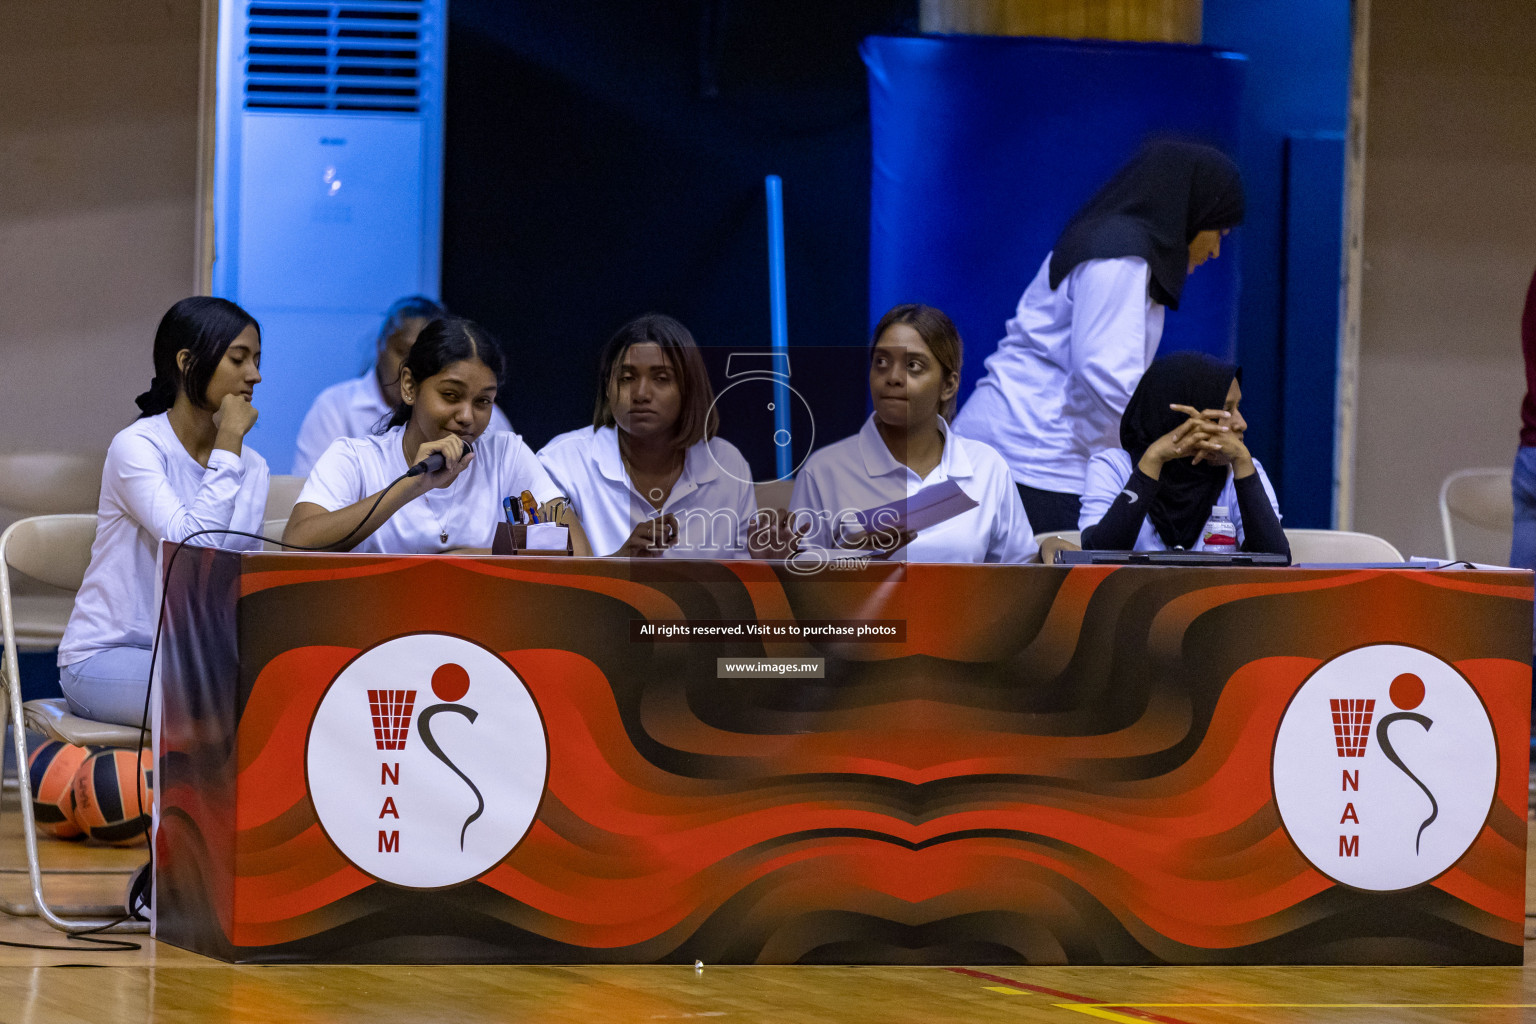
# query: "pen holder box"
x,y
547,539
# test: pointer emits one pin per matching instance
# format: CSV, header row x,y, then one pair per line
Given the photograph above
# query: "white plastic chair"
x,y
46,483
55,550
1339,546
1481,499
273,529
282,494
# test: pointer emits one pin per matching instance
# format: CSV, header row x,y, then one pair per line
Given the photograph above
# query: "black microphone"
x,y
436,461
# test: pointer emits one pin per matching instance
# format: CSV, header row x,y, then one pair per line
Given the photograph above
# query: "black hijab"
x,y
1186,492
1153,207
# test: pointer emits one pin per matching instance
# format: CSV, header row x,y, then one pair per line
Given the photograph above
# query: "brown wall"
x,y
1168,21
98,184
1450,244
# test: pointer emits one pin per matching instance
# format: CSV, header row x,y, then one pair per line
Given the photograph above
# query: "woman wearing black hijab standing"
x,y
1181,453
1090,322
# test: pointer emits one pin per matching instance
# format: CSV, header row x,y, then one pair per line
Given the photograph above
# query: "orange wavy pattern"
x,y
1054,767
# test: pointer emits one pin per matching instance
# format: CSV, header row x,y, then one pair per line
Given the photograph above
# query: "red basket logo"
x,y
391,717
1352,725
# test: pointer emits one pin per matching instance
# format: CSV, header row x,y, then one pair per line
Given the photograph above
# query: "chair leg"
x,y
65,919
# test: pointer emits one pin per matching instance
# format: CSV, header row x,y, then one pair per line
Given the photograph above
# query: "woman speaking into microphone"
x,y
454,501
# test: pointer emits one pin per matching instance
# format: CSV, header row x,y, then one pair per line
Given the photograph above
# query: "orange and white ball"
x,y
51,767
113,793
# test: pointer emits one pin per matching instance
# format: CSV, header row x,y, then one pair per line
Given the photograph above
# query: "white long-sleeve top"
x,y
1061,377
152,489
351,409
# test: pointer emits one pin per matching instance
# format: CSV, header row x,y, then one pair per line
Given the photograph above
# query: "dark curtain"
x,y
606,158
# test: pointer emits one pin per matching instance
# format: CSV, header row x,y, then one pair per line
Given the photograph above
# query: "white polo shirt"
x,y
1061,377
1108,472
352,408
713,499
859,473
467,510
152,489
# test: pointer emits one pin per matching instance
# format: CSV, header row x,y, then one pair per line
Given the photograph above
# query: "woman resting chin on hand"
x,y
181,468
1182,453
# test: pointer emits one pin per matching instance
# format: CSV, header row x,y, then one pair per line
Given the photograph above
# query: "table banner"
x,y
461,759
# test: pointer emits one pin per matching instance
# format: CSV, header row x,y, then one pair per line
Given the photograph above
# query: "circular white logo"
x,y
426,760
752,405
1384,767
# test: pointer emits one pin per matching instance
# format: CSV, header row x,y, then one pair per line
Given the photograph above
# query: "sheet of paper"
x,y
547,537
927,508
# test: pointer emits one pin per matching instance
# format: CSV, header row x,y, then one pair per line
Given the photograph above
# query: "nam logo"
x,y
426,761
1384,767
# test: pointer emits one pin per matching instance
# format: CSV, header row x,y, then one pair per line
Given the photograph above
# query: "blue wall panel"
x,y
1309,351
984,146
1298,84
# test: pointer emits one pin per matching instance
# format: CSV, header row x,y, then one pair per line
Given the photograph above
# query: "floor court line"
x,y
1137,1016
1099,1011
1120,1012
1137,1013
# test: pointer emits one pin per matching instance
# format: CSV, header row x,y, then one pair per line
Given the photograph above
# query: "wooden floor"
x,y
162,983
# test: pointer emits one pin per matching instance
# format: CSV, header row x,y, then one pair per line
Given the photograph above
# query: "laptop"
x,y
1247,559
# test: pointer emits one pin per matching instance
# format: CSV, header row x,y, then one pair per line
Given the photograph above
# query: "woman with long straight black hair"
x,y
182,467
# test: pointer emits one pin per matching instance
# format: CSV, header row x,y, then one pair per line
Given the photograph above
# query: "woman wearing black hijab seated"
x,y
1091,320
1182,453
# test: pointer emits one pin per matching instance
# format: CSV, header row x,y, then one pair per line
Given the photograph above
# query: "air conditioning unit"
x,y
327,194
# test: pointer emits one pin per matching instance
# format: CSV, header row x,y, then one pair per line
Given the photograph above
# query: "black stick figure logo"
x,y
1407,692
450,682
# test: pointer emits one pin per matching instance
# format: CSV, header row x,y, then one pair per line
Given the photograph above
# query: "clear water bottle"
x,y
1220,533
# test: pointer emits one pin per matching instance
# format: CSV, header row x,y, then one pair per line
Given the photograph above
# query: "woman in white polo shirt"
x,y
355,407
181,467
650,477
447,391
905,446
1090,322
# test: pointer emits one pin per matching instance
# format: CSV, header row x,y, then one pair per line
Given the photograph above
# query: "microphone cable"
x,y
132,914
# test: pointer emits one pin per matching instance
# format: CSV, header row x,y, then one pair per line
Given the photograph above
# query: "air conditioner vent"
x,y
364,56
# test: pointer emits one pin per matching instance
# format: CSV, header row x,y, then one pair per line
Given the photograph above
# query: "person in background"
x,y
448,387
1089,324
180,468
649,477
1522,550
905,446
1182,452
355,407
